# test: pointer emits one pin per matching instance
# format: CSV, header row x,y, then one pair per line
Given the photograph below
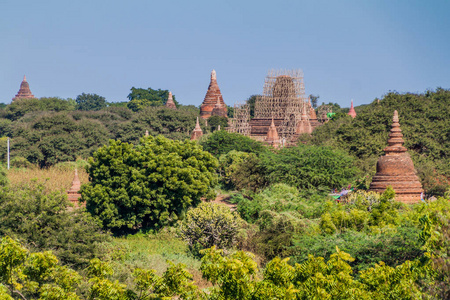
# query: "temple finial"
x,y
24,77
395,118
213,75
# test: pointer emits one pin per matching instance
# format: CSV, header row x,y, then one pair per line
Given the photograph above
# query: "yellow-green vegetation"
x,y
54,178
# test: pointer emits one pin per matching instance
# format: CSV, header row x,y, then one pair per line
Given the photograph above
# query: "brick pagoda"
x,y
396,169
72,193
198,132
352,112
24,91
170,103
213,95
272,137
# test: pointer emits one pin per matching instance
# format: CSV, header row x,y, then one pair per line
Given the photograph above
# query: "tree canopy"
x,y
148,185
90,102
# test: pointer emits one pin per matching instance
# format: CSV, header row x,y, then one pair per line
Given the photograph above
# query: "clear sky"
x,y
347,49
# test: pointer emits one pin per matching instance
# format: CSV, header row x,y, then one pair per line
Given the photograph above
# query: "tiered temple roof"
x,y
170,103
396,169
352,111
24,91
211,98
197,132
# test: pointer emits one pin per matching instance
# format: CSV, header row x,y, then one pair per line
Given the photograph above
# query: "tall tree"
x,y
140,98
90,102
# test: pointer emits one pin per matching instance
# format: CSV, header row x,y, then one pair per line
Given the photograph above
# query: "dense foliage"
x,y
234,276
48,130
41,221
147,185
210,224
222,142
90,102
141,98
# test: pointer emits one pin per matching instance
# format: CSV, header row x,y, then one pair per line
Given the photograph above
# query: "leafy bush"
x,y
149,185
210,224
222,142
306,166
41,221
90,102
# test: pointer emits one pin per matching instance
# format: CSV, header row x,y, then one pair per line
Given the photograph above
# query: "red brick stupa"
x,y
272,137
170,103
396,169
212,96
352,112
198,132
219,110
304,126
24,91
72,193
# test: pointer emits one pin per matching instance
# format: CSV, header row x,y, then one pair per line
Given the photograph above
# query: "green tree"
x,y
314,100
210,224
41,221
148,185
215,121
90,102
141,98
222,142
306,166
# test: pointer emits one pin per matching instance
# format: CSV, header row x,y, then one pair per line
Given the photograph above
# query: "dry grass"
x,y
54,179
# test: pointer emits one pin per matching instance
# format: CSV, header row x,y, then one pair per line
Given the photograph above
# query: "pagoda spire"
x,y
352,112
24,91
396,169
72,193
170,103
272,135
212,96
198,132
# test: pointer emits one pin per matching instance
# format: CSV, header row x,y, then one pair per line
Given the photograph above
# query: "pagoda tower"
x,y
198,132
352,112
170,103
212,96
219,110
272,137
72,193
24,91
396,169
313,116
304,126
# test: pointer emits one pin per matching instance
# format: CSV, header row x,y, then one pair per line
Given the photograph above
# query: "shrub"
x,y
306,166
210,224
41,221
222,142
149,185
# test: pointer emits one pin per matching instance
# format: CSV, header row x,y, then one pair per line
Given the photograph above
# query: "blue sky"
x,y
347,49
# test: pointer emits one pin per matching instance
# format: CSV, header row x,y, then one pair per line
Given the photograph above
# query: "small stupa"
x,y
218,109
211,98
72,193
24,91
396,169
304,126
272,137
313,116
170,103
352,112
197,132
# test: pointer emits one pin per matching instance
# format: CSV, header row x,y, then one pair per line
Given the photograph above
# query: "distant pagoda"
x,y
352,112
170,103
73,193
197,132
396,169
24,91
213,95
